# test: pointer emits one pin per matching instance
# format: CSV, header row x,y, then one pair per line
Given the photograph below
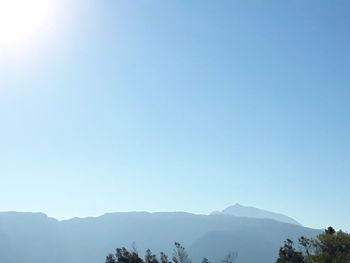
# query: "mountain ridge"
x,y
253,212
40,239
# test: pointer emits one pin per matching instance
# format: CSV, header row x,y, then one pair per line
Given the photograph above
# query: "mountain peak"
x,y
247,211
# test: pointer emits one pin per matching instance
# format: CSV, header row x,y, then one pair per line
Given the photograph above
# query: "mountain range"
x,y
37,238
247,211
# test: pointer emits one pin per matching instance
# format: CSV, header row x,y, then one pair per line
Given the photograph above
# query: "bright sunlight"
x,y
19,19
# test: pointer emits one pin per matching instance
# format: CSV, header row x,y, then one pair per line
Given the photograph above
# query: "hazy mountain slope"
x,y
246,211
258,242
29,237
37,238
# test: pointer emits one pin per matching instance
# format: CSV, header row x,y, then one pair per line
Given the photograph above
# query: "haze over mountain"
x,y
36,238
247,211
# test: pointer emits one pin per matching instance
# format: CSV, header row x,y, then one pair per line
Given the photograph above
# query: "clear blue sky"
x,y
180,105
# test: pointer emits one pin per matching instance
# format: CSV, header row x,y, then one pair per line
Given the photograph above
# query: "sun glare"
x,y
19,19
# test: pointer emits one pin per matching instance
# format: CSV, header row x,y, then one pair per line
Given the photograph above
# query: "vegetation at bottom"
x,y
331,246
179,255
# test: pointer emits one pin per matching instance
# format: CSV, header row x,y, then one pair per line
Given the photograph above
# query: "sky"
x,y
189,106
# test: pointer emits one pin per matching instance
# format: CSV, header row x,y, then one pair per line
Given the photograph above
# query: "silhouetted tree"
x,y
231,257
180,255
122,255
288,254
329,247
333,247
150,258
205,260
164,258
110,259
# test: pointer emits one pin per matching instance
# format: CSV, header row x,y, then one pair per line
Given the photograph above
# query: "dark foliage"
x,y
180,255
329,247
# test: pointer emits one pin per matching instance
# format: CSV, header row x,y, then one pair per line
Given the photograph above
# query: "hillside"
x,y
36,238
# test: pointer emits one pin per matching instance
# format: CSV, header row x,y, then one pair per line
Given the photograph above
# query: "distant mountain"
x,y
36,238
252,212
